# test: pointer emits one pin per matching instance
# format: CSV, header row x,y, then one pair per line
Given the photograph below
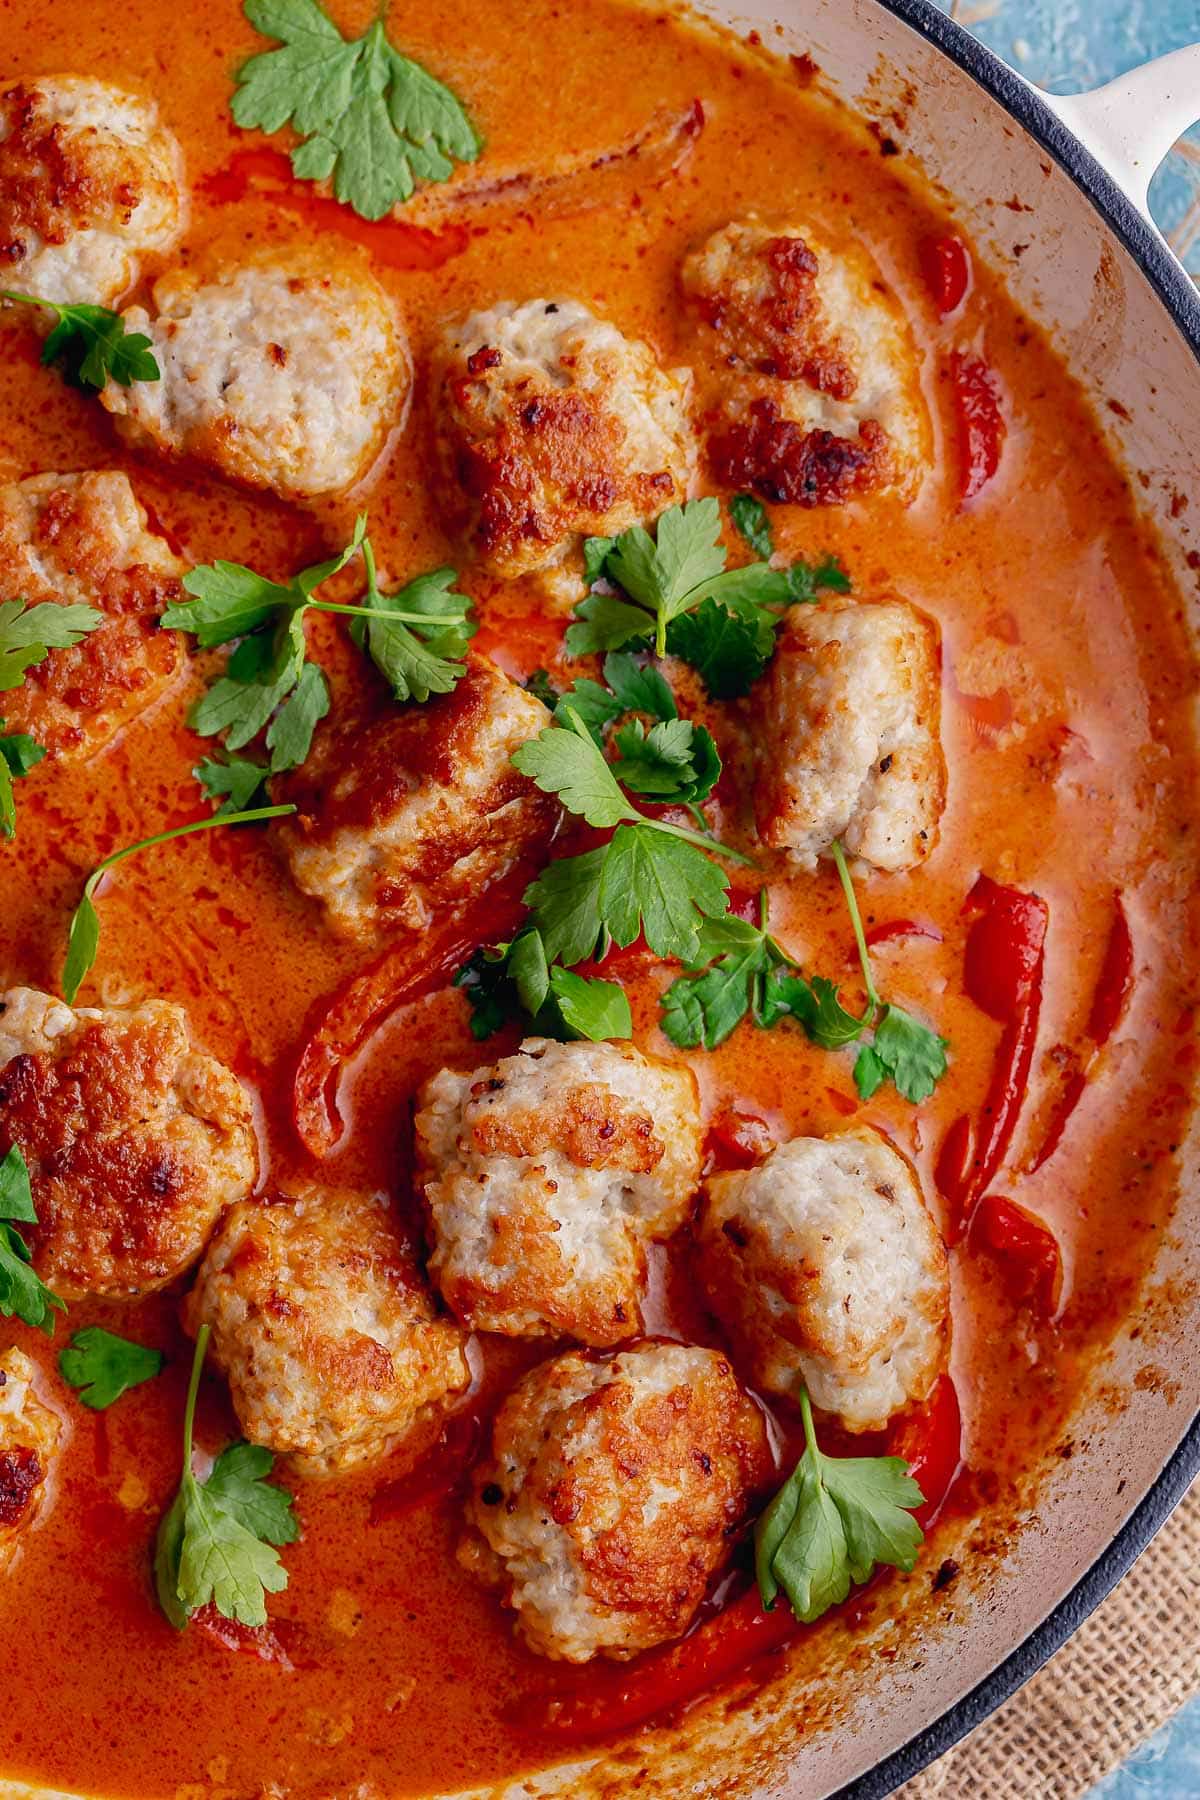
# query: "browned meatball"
x,y
545,1175
419,809
29,1434
135,1141
553,425
611,1494
824,397
84,540
326,1330
90,180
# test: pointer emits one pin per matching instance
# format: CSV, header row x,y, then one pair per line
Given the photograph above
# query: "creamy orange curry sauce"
x,y
1071,774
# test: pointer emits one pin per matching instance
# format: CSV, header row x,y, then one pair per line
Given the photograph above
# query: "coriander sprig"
x,y
417,639
23,1294
516,981
740,970
218,1541
832,1523
103,1366
83,938
27,636
19,753
371,120
93,343
674,592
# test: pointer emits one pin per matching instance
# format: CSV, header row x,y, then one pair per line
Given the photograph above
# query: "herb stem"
x,y
702,839
810,1430
189,1411
379,612
165,837
864,955
29,300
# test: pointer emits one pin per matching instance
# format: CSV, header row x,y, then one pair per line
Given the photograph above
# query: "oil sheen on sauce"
x,y
1071,772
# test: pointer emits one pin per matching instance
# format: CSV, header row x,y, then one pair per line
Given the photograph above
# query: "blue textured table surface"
x,y
1066,46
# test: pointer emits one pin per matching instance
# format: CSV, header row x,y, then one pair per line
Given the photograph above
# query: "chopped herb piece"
x,y
542,688
18,754
23,1295
235,782
750,519
218,1541
104,1366
515,980
93,344
834,1521
83,939
372,121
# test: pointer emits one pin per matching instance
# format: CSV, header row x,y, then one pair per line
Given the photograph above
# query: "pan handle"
x,y
1131,123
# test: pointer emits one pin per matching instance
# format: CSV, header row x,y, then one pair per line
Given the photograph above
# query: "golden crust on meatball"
x,y
326,1330
848,728
827,1270
545,1176
135,1141
90,180
554,426
84,540
826,398
611,1494
29,1434
286,373
419,809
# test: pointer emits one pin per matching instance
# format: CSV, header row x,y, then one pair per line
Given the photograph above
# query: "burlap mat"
x,y
1124,1673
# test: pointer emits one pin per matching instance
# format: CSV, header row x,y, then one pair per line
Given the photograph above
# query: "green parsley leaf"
x,y
908,1051
515,981
661,887
725,649
94,345
29,633
832,1523
815,1006
675,762
425,655
566,761
18,754
565,904
750,519
372,120
218,1540
23,1295
104,1366
235,782
542,688
290,733
700,1011
595,553
83,939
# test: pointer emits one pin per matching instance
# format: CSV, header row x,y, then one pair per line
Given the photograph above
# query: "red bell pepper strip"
x,y
930,1441
1109,1000
411,969
1026,1249
982,427
1116,979
738,1140
946,267
1004,964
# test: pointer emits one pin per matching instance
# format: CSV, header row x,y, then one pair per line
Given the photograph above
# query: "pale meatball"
x,y
418,810
29,1434
545,1176
90,181
287,373
84,540
326,1330
611,1496
838,409
847,725
553,426
827,1270
135,1141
